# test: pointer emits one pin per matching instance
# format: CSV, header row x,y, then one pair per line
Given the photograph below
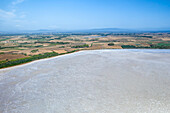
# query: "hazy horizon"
x,y
19,15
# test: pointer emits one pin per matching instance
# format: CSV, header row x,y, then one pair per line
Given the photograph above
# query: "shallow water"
x,y
98,81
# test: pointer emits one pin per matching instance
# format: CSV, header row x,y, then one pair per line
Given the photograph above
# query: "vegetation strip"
x,y
6,63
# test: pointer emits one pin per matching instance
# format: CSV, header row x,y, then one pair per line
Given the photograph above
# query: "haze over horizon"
x,y
17,15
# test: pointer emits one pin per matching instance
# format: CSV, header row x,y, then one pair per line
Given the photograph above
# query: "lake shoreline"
x,y
75,52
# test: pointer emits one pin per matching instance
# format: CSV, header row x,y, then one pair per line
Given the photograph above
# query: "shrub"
x,y
34,51
80,46
128,46
111,44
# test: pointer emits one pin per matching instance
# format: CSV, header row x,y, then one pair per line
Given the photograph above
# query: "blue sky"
x,y
84,14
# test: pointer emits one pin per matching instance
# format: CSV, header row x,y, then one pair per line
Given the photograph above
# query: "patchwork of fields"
x,y
21,46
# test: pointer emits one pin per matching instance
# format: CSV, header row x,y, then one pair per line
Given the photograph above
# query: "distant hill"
x,y
97,30
109,30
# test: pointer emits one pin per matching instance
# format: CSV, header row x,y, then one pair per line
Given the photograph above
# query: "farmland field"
x,y
20,46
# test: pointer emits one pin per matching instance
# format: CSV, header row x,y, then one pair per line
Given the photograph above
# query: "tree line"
x,y
6,63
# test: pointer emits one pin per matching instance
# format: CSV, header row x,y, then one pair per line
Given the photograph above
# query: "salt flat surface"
x,y
98,81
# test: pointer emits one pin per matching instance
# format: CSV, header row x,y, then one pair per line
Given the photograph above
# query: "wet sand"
x,y
97,81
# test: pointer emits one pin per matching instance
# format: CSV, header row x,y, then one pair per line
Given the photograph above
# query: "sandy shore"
x,y
98,81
